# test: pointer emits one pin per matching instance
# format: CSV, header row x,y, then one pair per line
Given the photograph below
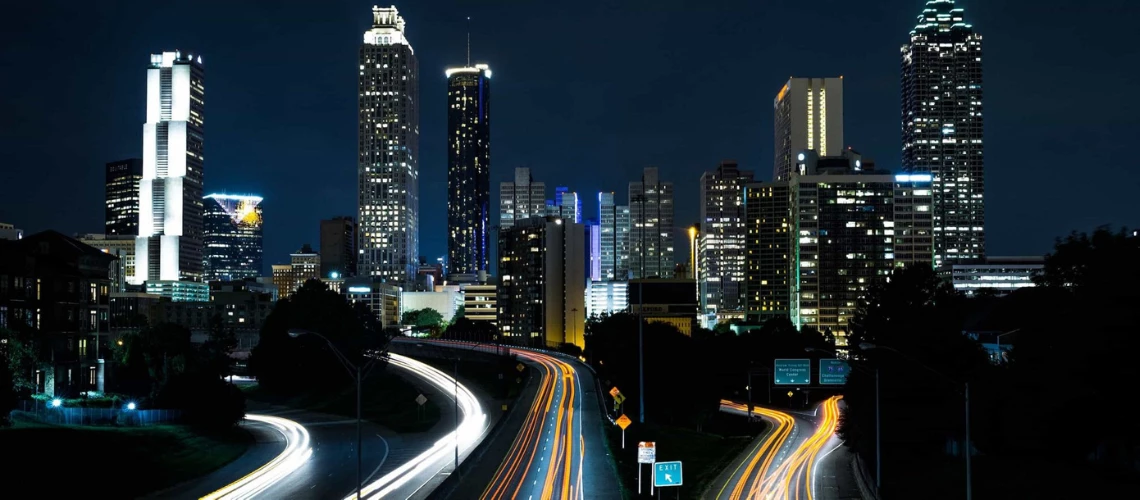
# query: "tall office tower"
x,y
614,237
468,167
651,226
767,215
389,139
542,287
567,204
809,115
338,248
593,250
233,237
720,264
122,201
942,126
169,245
521,199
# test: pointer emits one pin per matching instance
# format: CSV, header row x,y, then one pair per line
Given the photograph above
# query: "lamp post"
x,y
357,372
867,346
878,413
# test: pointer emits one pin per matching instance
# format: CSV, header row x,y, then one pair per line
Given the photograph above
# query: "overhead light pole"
x,y
967,449
357,372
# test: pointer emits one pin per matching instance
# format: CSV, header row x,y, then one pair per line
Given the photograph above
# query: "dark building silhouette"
x,y
468,168
338,247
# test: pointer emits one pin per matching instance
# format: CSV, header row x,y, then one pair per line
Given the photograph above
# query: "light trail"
x,y
297,451
762,455
543,452
470,430
793,479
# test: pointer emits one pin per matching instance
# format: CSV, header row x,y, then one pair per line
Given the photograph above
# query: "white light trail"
x,y
297,451
470,429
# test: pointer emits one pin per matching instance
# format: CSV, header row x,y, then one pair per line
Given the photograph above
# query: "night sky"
x,y
586,94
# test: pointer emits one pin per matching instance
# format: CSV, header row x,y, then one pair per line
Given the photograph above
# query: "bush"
x,y
7,394
204,400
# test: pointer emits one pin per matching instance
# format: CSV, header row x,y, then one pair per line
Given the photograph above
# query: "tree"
x,y
22,359
293,366
471,331
150,357
220,344
8,396
426,318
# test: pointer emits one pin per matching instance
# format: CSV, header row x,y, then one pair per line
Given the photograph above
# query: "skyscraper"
x,y
520,199
542,288
169,244
388,145
468,167
651,226
942,126
233,248
338,248
614,237
809,115
567,204
122,200
593,250
721,261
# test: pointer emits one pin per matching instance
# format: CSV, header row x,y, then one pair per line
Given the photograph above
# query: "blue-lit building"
x,y
233,248
468,168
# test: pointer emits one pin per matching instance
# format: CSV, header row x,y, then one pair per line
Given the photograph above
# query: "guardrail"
x,y
62,415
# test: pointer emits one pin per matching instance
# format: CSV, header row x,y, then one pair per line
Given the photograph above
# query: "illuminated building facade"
x,y
721,251
997,275
542,287
767,220
338,248
809,115
521,199
614,238
122,197
233,250
468,168
942,126
593,250
388,151
567,204
651,226
170,235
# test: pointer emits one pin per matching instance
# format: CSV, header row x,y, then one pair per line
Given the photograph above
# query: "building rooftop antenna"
x,y
468,41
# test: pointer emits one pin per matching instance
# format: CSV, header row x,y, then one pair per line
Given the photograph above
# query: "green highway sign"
x,y
666,474
793,372
833,371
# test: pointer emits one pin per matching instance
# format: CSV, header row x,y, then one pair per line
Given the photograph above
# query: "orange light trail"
x,y
793,479
762,455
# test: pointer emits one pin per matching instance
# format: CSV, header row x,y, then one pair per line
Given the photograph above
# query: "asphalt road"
x,y
799,457
559,450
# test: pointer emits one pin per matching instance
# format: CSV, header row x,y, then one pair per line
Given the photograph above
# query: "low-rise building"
x,y
998,275
671,301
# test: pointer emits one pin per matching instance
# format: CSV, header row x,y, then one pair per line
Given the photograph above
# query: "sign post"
x,y
793,372
646,454
623,422
666,474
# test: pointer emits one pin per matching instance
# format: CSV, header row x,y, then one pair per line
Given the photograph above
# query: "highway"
x,y
783,464
559,450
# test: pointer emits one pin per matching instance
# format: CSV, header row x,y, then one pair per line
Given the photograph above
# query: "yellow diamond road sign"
x,y
520,367
623,422
614,392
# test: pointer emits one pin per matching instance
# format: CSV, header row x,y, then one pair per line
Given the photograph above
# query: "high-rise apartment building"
x,y
614,237
338,248
521,199
122,197
809,115
942,126
567,204
720,263
468,167
651,226
169,244
820,240
388,147
542,287
233,243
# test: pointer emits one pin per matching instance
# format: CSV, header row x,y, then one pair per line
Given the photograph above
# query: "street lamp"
x,y
357,372
867,346
878,413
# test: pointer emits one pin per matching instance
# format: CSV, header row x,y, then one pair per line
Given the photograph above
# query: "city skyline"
x,y
876,132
